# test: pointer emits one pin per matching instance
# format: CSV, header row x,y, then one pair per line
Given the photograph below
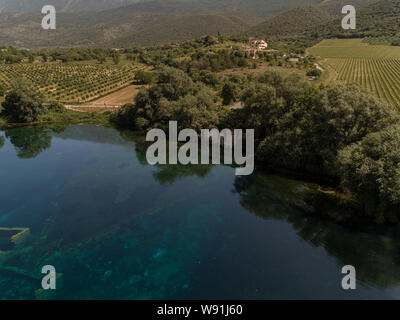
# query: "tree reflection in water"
x,y
30,141
99,203
373,250
165,174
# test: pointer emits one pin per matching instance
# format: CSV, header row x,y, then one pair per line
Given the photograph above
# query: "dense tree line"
x,y
10,55
339,134
174,96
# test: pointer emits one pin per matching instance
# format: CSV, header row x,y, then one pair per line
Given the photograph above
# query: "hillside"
x,y
117,27
186,27
292,24
378,23
164,21
381,21
140,23
62,5
306,24
260,8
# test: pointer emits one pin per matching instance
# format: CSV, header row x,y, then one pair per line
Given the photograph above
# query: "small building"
x,y
259,44
256,45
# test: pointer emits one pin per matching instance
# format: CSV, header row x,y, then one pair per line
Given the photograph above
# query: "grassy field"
x,y
71,82
120,97
375,68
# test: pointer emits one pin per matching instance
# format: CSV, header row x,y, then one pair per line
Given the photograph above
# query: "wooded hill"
x,y
377,21
261,8
167,21
140,23
117,28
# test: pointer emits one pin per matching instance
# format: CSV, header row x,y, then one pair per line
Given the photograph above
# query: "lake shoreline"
x,y
326,186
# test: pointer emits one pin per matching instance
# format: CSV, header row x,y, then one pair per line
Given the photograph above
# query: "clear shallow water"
x,y
116,228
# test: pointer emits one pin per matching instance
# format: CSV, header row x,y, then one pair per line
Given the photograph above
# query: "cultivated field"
x,y
71,83
120,97
376,68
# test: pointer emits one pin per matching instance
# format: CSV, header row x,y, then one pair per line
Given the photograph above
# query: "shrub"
x,y
314,73
229,93
209,78
144,77
56,107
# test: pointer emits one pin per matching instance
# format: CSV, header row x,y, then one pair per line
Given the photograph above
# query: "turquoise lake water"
x,y
116,228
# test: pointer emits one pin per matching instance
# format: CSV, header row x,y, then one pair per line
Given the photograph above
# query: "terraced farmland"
x,y
375,68
77,83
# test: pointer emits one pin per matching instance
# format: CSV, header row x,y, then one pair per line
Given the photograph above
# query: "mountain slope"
x,y
381,21
61,5
121,27
260,8
141,22
306,23
186,27
163,21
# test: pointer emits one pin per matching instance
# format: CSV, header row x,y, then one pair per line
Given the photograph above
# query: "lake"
x,y
83,199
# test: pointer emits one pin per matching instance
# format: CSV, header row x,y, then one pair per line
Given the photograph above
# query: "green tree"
x,y
370,169
299,127
229,93
209,78
24,103
175,96
144,77
116,58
